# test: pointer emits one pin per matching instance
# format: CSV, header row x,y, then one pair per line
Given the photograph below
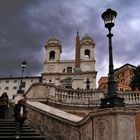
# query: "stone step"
x,y
22,138
22,134
13,131
7,131
6,120
9,123
13,127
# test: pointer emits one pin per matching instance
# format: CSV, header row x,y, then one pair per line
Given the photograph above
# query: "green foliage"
x,y
11,104
135,81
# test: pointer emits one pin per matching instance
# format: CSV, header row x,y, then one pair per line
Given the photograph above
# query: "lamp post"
x,y
111,99
23,66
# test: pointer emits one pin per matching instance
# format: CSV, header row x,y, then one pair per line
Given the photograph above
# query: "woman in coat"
x,y
4,101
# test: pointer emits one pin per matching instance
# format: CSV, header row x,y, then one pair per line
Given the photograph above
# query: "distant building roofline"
x,y
127,64
26,77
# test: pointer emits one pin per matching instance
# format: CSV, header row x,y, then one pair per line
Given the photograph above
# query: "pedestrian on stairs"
x,y
20,115
4,101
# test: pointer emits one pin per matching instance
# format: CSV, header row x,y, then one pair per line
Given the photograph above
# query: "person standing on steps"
x,y
4,101
20,115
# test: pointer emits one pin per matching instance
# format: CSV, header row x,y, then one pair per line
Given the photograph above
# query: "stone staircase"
x,y
7,131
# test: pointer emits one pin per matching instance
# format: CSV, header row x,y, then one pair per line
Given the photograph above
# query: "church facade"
x,y
77,74
72,74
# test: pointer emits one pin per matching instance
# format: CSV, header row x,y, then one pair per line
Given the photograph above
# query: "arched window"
x,y
87,53
52,55
69,69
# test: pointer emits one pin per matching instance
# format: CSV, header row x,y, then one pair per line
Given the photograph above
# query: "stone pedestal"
x,y
77,82
114,124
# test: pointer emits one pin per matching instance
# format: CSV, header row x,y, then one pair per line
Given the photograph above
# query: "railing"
x,y
131,98
75,97
79,97
90,97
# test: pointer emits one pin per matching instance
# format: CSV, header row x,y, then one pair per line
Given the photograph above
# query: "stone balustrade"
x,y
71,97
79,97
131,98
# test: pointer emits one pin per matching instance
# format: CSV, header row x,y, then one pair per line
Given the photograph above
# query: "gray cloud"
x,y
26,25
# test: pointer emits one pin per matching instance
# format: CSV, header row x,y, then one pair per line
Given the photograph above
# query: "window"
x,y
52,55
6,88
14,87
69,69
15,81
121,89
87,53
7,81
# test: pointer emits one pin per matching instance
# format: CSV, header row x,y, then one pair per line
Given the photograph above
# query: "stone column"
x,y
114,124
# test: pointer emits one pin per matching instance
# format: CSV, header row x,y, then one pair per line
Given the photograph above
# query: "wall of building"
x,y
122,76
11,85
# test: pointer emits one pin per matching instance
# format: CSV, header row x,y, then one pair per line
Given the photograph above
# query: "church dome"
x,y
53,40
86,39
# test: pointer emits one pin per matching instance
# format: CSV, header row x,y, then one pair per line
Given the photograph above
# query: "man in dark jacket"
x,y
20,114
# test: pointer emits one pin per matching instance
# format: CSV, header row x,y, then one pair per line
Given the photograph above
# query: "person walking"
x,y
4,101
20,115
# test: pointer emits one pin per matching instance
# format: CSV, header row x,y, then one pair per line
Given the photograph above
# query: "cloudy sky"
x,y
25,26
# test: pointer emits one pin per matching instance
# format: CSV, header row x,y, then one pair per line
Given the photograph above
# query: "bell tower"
x,y
87,56
53,50
87,48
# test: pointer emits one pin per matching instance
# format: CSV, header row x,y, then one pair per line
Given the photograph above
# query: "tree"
x,y
135,80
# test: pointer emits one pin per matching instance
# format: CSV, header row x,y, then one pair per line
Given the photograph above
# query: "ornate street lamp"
x,y
23,66
111,98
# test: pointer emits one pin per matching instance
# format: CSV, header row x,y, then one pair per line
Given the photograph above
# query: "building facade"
x,y
102,83
11,84
123,77
79,73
